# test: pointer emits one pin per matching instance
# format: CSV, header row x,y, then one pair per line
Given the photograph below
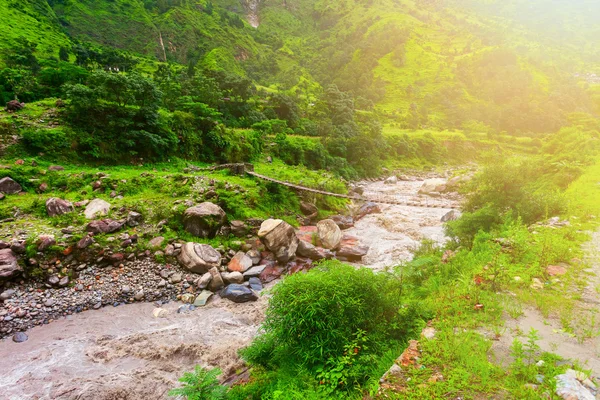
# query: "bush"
x,y
201,384
333,322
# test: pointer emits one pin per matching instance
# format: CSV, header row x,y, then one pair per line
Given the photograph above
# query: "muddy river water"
x,y
127,353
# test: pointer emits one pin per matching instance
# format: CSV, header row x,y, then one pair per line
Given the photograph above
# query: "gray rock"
x,y
7,294
202,282
198,258
255,284
8,186
139,296
450,216
280,238
45,241
238,294
56,206
156,242
9,266
254,256
20,337
238,228
64,281
392,180
308,250
570,388
95,208
254,271
134,219
204,220
176,278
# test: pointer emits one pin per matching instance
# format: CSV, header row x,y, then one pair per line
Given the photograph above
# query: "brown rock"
x,y
104,226
366,209
216,282
55,206
204,220
556,270
279,237
45,241
9,266
9,186
240,262
271,273
199,258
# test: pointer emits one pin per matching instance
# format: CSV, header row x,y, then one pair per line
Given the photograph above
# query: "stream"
x,y
126,353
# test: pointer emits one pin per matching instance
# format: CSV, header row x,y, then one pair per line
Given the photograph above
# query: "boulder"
x,y
238,293
353,253
14,105
343,221
309,209
254,271
329,233
55,206
392,180
216,282
450,216
279,237
238,228
204,220
9,267
433,186
96,208
240,262
199,258
8,186
104,226
308,250
366,209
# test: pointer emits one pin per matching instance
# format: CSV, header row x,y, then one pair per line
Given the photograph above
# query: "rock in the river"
x,y
280,238
134,218
96,208
366,209
9,267
308,250
104,226
240,262
216,282
204,220
433,186
238,293
450,216
20,337
55,206
329,233
392,180
343,221
198,258
353,253
8,186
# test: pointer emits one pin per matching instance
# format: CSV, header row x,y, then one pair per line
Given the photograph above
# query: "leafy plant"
x,y
202,384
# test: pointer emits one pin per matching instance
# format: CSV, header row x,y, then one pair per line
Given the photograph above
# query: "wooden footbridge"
x,y
409,201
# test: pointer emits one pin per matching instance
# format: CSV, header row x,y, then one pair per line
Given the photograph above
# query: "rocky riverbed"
x,y
143,332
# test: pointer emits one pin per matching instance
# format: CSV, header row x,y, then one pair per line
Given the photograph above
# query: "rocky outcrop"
x,y
280,238
96,208
9,267
56,206
329,233
204,220
199,258
9,186
238,293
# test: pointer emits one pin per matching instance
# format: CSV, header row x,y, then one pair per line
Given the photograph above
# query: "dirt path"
x,y
581,347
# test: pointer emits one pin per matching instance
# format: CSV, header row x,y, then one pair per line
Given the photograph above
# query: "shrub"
x,y
333,322
201,384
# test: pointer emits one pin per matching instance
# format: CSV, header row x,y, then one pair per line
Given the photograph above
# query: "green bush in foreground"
x,y
332,324
202,384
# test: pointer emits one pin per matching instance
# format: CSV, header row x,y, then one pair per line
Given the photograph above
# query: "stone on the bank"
x,y
240,262
56,168
279,237
366,209
104,226
216,281
7,294
255,284
198,258
271,273
254,255
160,313
9,266
569,387
450,216
202,298
238,293
329,233
45,241
343,221
134,219
204,220
203,281
20,337
95,208
233,277
309,250
352,252
187,298
433,186
254,271
9,186
56,206
156,243
309,209
238,228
